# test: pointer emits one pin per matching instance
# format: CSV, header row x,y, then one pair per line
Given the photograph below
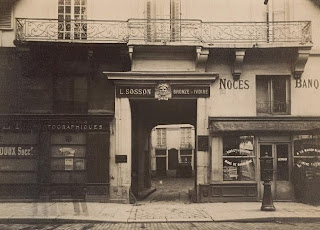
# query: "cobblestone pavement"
x,y
171,190
171,226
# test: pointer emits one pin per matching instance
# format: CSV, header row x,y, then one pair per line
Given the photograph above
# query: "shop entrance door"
x,y
281,185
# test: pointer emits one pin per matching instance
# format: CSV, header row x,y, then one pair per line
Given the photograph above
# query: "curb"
x,y
55,220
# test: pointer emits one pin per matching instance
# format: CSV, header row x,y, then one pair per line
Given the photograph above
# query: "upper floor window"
x,y
163,20
273,95
161,138
71,95
72,16
6,15
185,137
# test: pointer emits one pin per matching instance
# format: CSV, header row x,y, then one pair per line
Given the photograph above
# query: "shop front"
x,y
238,144
54,157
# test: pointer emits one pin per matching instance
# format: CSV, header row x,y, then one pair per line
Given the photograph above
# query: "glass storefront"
x,y
238,158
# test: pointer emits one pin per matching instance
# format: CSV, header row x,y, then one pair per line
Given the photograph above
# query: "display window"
x,y
238,158
307,150
68,158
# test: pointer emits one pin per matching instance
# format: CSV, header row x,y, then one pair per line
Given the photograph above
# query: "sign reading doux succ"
x,y
175,91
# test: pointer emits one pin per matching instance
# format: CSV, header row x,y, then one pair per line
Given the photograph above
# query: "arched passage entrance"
x,y
146,114
143,101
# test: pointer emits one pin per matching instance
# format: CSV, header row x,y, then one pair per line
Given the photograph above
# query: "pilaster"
x,y
120,173
202,130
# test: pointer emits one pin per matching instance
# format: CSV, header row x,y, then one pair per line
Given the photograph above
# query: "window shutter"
x,y
175,9
175,16
5,15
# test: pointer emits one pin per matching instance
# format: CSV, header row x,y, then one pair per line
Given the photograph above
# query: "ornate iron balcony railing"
x,y
144,30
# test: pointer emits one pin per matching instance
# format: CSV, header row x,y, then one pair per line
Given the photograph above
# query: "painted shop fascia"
x,y
66,144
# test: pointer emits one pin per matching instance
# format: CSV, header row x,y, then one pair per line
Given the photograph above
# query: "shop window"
x,y
161,138
72,15
71,95
238,158
273,95
68,158
6,15
307,150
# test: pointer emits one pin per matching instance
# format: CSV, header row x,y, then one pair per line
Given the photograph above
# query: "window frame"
x,y
270,102
246,157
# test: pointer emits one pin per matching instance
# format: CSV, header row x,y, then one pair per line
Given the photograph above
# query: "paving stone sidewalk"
x,y
153,212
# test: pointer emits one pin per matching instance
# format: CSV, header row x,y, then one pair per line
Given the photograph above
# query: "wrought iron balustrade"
x,y
162,30
272,107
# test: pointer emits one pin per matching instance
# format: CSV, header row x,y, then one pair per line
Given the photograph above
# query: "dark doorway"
x,y
173,159
161,167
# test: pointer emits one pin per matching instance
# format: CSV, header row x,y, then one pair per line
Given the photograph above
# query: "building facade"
x,y
84,82
172,147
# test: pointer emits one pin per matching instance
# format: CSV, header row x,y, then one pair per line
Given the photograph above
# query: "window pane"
x,y
265,150
77,9
238,161
68,9
263,97
236,169
238,146
282,162
279,95
60,9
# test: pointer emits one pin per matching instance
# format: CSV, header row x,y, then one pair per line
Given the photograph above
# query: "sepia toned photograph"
x,y
159,114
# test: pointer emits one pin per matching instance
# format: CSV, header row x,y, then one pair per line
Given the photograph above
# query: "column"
x,y
120,173
202,129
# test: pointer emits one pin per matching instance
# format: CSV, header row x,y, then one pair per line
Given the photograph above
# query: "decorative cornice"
x,y
300,62
150,77
237,65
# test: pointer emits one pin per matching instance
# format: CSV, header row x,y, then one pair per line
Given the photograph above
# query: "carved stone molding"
x,y
201,59
237,64
300,62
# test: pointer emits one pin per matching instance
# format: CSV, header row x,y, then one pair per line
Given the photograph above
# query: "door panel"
x,y
161,163
281,186
173,159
